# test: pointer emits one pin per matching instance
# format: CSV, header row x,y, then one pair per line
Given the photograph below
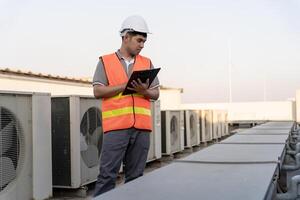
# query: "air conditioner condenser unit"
x,y
155,136
206,125
172,131
216,124
76,140
224,124
191,128
25,146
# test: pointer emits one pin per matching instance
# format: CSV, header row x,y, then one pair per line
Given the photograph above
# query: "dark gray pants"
x,y
130,146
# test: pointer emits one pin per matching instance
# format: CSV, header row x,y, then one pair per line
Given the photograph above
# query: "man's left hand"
x,y
139,86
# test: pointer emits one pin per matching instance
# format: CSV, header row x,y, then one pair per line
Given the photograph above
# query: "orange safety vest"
x,y
124,111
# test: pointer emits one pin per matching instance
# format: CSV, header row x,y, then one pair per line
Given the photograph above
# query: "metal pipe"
x,y
293,144
296,132
289,147
295,135
295,138
292,192
294,152
293,167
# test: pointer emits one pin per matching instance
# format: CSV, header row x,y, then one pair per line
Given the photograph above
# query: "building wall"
x,y
17,83
170,99
298,105
275,110
271,110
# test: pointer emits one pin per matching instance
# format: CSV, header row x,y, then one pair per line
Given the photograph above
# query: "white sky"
x,y
189,41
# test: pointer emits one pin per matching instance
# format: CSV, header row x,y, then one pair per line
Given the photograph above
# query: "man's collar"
x,y
121,57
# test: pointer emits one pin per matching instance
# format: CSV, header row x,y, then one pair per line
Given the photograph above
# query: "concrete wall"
x,y
276,110
298,105
170,99
271,110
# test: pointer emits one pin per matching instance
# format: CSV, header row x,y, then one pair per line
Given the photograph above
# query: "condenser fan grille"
x,y
9,147
208,121
207,127
91,130
174,130
193,126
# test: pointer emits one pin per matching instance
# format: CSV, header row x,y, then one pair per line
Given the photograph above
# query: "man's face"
x,y
135,44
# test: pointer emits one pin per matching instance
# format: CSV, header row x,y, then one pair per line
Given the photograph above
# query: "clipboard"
x,y
143,75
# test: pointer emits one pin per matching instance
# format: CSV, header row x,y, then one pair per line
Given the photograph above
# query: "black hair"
x,y
134,33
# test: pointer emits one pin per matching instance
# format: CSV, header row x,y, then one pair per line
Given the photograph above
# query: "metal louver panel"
x,y
9,147
163,132
61,146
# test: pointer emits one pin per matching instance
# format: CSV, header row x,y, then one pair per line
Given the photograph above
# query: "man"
x,y
126,119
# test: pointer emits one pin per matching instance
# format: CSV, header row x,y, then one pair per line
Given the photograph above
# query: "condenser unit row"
x,y
33,160
219,124
50,142
77,139
187,128
214,124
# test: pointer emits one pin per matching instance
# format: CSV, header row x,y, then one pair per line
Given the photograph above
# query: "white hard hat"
x,y
134,23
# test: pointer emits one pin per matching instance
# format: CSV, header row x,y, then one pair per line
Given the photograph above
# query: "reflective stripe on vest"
x,y
122,112
125,111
